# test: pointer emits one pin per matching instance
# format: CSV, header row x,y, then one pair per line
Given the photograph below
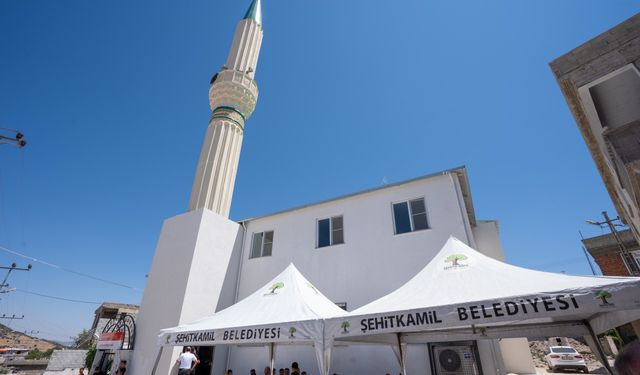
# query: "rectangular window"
x,y
410,216
262,244
330,231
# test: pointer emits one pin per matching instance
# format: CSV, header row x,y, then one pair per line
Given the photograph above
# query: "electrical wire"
x,y
58,298
69,270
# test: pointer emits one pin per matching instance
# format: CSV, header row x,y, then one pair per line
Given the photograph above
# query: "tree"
x,y
455,258
37,354
83,340
345,325
275,286
91,354
292,330
603,295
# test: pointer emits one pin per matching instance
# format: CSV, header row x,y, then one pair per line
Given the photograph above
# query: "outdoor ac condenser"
x,y
455,360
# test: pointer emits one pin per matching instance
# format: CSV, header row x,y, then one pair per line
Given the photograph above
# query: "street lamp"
x,y
611,223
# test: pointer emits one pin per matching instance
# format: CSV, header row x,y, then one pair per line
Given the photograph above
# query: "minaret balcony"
x,y
234,89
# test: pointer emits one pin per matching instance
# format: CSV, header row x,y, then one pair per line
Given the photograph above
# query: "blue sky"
x,y
112,97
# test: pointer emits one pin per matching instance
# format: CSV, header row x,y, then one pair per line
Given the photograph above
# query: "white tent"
x,y
287,310
462,294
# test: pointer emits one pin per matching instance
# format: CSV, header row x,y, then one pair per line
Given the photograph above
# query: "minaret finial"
x,y
254,12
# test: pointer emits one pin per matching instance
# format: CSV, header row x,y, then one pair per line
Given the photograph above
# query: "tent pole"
x,y
402,366
155,365
272,356
598,347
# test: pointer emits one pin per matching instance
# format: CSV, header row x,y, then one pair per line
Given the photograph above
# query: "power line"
x,y
69,270
58,298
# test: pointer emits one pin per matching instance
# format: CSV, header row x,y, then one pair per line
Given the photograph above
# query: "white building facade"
x,y
354,248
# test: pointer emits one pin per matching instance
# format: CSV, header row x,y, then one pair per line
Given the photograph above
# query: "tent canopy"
x,y
288,309
463,289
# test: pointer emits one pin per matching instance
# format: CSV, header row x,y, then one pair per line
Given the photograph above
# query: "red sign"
x,y
110,340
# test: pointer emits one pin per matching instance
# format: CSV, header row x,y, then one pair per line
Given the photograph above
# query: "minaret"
x,y
232,98
192,273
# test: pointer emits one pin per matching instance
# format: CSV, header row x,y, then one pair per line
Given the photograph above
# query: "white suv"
x,y
565,357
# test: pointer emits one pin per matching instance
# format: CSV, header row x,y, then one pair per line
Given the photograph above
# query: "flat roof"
x,y
461,171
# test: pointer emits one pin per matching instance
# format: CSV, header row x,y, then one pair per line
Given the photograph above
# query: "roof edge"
x,y
461,171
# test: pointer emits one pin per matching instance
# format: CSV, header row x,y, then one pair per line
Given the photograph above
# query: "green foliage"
x,y
278,285
88,360
292,330
37,354
84,340
617,339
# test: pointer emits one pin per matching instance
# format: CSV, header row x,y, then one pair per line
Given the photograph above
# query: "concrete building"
x,y
111,310
601,83
355,248
605,250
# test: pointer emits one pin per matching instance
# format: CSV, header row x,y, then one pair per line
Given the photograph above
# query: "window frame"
x,y
262,242
635,257
410,212
331,230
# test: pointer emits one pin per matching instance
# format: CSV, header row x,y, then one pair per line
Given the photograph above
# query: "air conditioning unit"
x,y
455,360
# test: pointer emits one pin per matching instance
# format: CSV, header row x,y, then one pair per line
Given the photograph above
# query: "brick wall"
x,y
611,265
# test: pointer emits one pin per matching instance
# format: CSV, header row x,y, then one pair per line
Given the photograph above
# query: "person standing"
x,y
628,360
186,362
122,368
81,371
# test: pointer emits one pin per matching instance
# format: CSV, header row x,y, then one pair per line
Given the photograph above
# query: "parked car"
x,y
565,357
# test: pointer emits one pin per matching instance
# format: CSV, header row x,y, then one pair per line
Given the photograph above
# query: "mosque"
x,y
354,248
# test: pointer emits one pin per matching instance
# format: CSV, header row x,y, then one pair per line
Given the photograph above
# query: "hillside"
x,y
11,338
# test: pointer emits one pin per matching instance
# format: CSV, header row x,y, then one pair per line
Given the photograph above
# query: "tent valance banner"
x,y
461,287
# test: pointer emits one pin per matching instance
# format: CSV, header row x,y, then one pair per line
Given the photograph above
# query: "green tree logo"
x,y
345,326
292,330
455,258
603,295
276,286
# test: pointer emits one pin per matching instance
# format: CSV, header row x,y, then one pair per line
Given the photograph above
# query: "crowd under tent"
x,y
464,295
288,310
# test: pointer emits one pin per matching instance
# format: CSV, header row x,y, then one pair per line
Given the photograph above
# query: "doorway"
x,y
205,355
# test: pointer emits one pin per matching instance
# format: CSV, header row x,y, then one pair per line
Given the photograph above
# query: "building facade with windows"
x,y
360,247
601,83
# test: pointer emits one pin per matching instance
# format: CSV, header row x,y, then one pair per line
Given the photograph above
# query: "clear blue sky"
x,y
112,97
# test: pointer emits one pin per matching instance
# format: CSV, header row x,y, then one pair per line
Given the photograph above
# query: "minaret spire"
x,y
232,97
254,12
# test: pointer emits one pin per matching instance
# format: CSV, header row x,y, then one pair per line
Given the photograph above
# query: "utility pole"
x,y
14,267
627,257
16,138
4,287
